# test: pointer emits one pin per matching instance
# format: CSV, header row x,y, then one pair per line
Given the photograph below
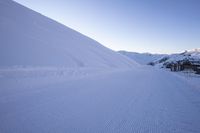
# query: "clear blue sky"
x,y
157,26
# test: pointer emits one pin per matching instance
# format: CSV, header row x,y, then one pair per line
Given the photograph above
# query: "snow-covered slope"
x,y
142,58
28,38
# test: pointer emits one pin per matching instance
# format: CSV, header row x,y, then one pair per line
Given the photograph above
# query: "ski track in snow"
x,y
139,101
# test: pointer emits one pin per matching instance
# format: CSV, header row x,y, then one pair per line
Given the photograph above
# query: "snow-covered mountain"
x,y
188,60
28,38
162,59
195,53
190,55
141,58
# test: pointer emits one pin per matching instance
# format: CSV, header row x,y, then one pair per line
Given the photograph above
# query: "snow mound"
x,y
28,38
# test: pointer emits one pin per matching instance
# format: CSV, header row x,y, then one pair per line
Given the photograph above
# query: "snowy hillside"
x,y
29,39
142,58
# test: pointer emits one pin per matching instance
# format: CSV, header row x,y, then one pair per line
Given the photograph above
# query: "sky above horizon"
x,y
156,26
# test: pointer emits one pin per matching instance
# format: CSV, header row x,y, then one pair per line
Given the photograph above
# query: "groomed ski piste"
x,y
135,100
75,85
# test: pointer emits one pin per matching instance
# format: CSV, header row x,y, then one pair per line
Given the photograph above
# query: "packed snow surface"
x,y
28,38
142,100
